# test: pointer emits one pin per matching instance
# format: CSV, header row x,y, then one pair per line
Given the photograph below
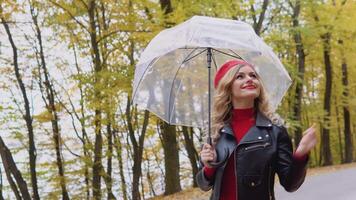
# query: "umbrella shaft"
x,y
209,93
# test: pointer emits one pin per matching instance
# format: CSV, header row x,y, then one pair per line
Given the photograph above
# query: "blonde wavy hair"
x,y
222,102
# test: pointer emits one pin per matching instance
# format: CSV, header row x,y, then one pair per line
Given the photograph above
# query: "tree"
x,y
48,96
192,152
27,116
300,56
347,121
19,185
169,137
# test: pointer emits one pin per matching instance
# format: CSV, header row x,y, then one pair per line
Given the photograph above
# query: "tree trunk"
x,y
1,185
347,121
12,172
138,149
166,6
327,157
137,162
109,161
257,23
51,107
297,107
171,158
27,117
192,153
339,131
98,146
118,148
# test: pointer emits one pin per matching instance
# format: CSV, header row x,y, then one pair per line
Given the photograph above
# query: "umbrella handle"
x,y
220,163
226,153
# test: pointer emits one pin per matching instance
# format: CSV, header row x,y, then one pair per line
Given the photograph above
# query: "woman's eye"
x,y
239,77
253,75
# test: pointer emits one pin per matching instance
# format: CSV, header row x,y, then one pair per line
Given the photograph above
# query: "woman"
x,y
257,143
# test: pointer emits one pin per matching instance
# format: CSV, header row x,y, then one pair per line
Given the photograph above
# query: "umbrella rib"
x,y
216,67
186,60
236,54
139,83
238,57
175,75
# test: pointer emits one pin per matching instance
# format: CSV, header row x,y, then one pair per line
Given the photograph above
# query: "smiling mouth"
x,y
249,87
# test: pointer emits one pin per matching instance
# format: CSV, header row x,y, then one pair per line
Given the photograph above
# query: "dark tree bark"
x,y
27,116
98,146
166,6
103,26
347,121
137,148
297,107
118,148
257,23
339,130
1,185
325,134
110,194
192,153
19,185
171,158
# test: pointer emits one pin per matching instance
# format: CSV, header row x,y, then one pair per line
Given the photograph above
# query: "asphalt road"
x,y
337,185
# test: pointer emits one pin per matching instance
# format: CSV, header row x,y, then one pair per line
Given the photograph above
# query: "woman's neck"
x,y
242,103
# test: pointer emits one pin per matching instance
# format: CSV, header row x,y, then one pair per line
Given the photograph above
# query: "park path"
x,y
335,185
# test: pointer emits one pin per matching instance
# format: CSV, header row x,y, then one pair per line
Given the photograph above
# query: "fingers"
x,y
309,139
207,156
311,129
207,153
207,146
207,150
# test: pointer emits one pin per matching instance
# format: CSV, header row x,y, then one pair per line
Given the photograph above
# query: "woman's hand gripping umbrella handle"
x,y
208,156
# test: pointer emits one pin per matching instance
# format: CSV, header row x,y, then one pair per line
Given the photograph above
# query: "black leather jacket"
x,y
266,149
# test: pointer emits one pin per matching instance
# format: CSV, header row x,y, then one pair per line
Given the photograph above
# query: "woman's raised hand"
x,y
207,154
308,141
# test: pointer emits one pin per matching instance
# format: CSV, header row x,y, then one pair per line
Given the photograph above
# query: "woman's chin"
x,y
250,95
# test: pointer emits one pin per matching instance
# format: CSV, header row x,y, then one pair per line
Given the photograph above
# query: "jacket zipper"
x,y
256,146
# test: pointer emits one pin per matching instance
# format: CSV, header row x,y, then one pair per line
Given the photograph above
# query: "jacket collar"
x,y
261,121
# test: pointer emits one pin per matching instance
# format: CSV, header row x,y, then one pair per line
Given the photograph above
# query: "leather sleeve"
x,y
291,170
203,182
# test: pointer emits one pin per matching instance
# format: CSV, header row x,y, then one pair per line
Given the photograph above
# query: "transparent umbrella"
x,y
173,76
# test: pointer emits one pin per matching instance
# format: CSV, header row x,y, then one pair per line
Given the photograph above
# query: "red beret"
x,y
226,67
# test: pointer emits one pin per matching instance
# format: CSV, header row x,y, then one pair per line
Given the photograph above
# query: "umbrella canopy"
x,y
171,77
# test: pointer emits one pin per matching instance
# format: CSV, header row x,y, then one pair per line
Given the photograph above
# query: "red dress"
x,y
242,120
